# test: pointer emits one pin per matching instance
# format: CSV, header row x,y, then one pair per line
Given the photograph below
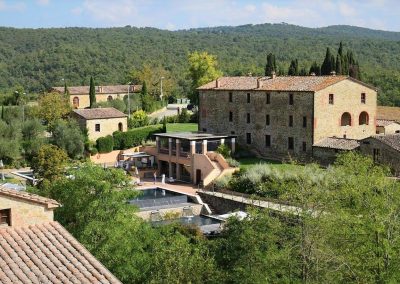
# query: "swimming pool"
x,y
199,220
156,197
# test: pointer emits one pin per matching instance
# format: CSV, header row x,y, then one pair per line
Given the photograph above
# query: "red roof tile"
x,y
338,143
50,203
283,83
384,122
47,253
388,113
98,113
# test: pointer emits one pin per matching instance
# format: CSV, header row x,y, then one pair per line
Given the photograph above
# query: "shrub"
x,y
233,163
224,150
105,144
139,118
134,137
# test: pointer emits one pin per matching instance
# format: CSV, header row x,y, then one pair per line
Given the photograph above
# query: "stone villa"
x,y
101,122
36,249
79,95
287,116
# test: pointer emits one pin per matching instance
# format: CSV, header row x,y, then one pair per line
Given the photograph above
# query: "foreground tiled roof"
x,y
50,203
338,143
391,140
388,113
283,83
96,113
47,253
114,89
384,122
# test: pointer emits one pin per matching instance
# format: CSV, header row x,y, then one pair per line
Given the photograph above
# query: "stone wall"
x,y
214,117
84,100
107,127
347,98
221,205
177,211
387,156
24,213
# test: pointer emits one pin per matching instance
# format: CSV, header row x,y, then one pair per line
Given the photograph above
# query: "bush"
x,y
224,150
138,119
134,137
105,144
232,162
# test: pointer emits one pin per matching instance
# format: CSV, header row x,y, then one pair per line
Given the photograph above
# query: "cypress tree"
x,y
303,72
92,92
339,70
327,64
144,97
2,112
293,68
340,50
66,92
333,64
316,69
271,65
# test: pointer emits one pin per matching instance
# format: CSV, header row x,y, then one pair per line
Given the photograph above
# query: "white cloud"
x,y
43,2
15,6
347,10
115,12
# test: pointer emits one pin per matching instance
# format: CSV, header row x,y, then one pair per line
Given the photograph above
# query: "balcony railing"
x,y
184,154
163,151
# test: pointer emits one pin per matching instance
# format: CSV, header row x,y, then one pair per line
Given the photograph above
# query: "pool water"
x,y
156,193
158,197
193,220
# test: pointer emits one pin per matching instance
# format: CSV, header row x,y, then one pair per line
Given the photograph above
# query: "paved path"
x,y
259,203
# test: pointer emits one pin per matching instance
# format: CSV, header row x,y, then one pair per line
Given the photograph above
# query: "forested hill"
x,y
38,58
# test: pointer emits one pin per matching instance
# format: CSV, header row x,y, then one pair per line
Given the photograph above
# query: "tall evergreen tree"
x,y
92,92
66,92
339,70
293,68
316,69
271,65
326,66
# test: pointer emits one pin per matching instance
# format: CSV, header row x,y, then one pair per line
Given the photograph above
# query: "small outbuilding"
x,y
101,122
326,150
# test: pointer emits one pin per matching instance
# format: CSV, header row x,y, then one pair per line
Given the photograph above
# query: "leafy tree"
x,y
49,164
32,138
10,142
271,65
138,119
53,106
202,70
92,92
68,136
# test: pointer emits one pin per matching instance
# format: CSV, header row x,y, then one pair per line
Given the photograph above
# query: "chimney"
x,y
333,73
259,83
312,74
217,83
273,75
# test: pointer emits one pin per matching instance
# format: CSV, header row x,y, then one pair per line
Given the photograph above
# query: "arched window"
x,y
346,119
363,119
120,127
109,98
75,102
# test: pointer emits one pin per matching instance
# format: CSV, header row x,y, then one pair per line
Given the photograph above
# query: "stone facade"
x,y
281,123
391,128
382,153
107,126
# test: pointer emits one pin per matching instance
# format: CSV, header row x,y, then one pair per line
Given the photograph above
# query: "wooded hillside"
x,y
36,59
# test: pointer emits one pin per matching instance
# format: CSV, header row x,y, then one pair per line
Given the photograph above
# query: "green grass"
x,y
182,127
247,163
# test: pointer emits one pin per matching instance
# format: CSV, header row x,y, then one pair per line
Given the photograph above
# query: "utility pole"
x,y
129,100
161,93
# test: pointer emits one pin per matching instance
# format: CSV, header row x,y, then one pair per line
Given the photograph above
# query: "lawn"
x,y
246,163
182,127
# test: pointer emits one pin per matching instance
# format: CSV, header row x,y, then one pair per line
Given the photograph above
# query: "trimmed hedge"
x,y
105,144
135,137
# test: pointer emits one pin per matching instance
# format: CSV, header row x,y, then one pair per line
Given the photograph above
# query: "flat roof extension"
x,y
194,136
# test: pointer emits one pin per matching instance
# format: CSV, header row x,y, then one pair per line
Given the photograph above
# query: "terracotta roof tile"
x,y
391,140
51,203
47,253
338,143
113,89
98,113
384,122
282,83
388,113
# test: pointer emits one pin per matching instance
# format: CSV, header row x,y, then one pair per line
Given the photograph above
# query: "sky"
x,y
184,14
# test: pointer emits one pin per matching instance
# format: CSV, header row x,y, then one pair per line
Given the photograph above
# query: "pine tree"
x,y
271,65
315,68
92,92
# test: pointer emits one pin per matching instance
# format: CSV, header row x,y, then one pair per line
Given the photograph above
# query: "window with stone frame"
x,y
230,116
248,118
230,97
248,138
304,121
267,141
97,127
248,98
291,100
363,98
290,143
331,99
268,98
304,146
290,120
5,217
267,120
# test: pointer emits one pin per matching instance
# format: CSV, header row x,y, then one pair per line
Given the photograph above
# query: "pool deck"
x,y
180,187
